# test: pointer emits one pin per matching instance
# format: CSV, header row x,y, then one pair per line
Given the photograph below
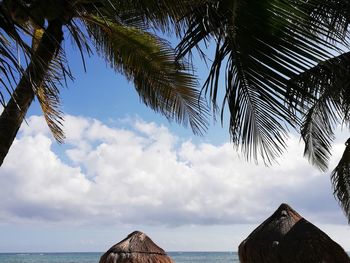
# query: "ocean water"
x,y
178,257
204,257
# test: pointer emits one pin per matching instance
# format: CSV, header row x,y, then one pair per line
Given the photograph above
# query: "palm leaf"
x,y
162,83
48,98
328,86
47,92
341,181
11,45
263,45
333,15
330,76
163,15
255,122
48,95
328,101
317,131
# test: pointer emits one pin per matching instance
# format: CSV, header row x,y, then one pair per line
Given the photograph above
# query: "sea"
x,y
178,257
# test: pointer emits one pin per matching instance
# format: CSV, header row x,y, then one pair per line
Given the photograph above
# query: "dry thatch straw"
x,y
137,247
286,237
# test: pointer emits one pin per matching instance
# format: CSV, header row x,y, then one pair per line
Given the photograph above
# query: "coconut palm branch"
x,y
328,104
10,44
148,61
317,131
341,181
334,15
328,85
151,14
260,46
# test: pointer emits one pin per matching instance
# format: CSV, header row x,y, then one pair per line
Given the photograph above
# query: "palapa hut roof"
x,y
286,237
137,247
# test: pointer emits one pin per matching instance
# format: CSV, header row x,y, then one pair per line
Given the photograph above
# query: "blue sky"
x,y
125,168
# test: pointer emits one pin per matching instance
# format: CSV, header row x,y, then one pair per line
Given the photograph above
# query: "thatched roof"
x,y
137,247
286,237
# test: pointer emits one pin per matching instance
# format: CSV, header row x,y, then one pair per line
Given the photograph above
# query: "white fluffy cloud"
x,y
145,174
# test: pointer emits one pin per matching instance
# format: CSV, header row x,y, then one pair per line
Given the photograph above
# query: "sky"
x,y
124,168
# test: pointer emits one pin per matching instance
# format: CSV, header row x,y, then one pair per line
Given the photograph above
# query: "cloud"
x,y
144,174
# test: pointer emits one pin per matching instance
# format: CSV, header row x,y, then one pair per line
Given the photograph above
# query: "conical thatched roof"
x,y
286,237
137,247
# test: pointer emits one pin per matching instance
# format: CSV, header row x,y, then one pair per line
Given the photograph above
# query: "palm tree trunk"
x,y
17,107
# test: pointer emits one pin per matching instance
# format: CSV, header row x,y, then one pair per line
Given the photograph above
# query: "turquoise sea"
x,y
178,257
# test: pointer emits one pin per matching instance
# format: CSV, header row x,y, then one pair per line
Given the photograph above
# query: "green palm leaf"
x,y
48,95
163,15
162,83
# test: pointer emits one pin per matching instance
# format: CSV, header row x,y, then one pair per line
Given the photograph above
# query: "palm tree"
x,y
120,32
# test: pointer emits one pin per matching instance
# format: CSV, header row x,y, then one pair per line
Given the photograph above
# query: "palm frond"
x,y
11,45
209,19
256,115
333,15
79,39
48,98
48,95
263,46
162,82
163,15
330,76
327,86
317,131
47,92
341,181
